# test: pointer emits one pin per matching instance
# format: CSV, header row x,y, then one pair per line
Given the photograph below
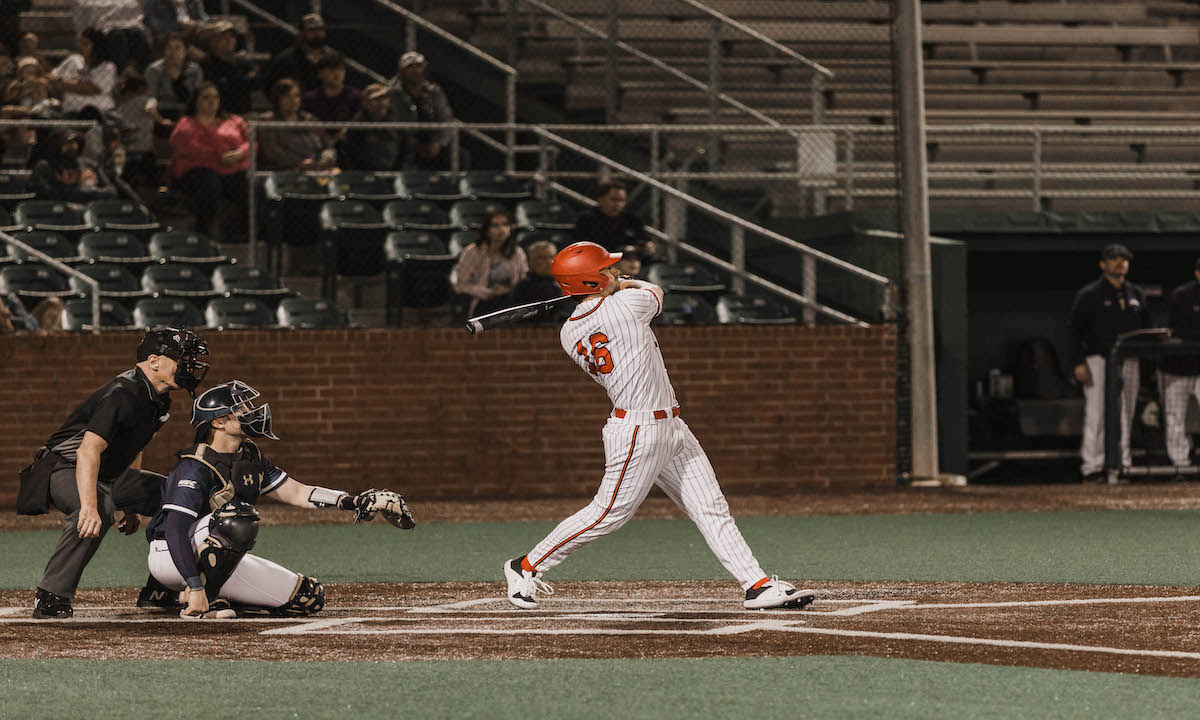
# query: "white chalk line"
x,y
960,640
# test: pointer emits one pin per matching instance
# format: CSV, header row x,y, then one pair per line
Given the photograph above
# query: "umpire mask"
x,y
185,348
231,398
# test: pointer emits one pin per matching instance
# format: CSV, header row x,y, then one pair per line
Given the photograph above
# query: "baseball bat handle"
x,y
474,326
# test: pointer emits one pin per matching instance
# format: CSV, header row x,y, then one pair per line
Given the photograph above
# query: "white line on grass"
x,y
958,640
1034,603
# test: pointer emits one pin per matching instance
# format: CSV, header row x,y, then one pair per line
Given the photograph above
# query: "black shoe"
x,y
47,605
157,595
1096,478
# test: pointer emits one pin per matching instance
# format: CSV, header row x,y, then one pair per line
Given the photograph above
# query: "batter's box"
x,y
707,606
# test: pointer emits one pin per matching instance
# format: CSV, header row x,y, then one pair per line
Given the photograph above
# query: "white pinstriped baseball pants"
x,y
641,452
1091,451
1176,391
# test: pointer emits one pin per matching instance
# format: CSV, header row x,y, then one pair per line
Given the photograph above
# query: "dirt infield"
x,y
1127,629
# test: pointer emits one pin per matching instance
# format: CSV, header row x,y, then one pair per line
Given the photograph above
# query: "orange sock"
x,y
526,566
760,583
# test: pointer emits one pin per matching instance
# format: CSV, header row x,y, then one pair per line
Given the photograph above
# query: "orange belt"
x,y
658,414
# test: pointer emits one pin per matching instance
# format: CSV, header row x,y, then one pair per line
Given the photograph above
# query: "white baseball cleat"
x,y
524,586
776,593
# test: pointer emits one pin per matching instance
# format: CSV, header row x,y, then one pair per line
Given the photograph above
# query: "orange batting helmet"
x,y
577,268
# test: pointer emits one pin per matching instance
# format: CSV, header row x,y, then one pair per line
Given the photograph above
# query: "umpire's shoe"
x,y
157,595
47,605
775,593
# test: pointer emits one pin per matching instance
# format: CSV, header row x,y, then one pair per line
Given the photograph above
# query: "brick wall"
x,y
440,414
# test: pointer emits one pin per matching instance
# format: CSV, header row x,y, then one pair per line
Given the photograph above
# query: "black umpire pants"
x,y
73,553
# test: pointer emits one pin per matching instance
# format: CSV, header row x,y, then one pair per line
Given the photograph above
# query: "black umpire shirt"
x,y
126,411
1100,313
1185,324
612,233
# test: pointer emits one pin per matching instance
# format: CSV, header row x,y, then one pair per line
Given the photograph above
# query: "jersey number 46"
x,y
599,360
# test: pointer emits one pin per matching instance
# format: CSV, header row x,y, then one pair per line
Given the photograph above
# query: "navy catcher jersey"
x,y
204,480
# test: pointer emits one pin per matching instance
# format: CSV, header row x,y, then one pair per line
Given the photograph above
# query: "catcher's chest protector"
x,y
240,475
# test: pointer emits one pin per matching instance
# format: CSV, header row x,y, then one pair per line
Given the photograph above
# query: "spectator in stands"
x,y
30,46
301,149
630,264
166,17
489,268
28,96
172,79
63,176
138,118
1179,379
539,284
381,149
123,26
1104,309
211,150
233,75
420,100
332,100
46,316
611,225
299,61
87,78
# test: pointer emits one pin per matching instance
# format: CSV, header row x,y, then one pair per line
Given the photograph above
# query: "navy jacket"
x,y
1100,313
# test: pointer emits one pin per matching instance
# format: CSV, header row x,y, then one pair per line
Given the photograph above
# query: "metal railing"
x,y
66,270
716,53
548,138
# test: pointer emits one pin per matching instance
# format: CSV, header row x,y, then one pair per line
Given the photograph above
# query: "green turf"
x,y
1133,547
802,687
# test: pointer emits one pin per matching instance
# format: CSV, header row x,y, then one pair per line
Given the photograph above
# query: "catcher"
x,y
201,537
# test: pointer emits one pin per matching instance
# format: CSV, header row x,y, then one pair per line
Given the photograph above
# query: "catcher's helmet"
x,y
577,268
184,347
223,400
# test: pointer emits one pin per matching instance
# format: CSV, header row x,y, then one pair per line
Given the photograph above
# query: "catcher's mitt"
x,y
389,504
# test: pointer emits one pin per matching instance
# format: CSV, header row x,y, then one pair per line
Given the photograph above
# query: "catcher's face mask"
x,y
254,419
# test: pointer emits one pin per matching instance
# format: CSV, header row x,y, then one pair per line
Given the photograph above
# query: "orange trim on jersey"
x,y
589,312
632,445
655,295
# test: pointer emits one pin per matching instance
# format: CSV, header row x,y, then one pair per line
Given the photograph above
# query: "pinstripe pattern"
x,y
641,451
1176,391
1091,450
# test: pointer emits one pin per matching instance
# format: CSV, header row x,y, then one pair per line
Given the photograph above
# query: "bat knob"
x,y
474,326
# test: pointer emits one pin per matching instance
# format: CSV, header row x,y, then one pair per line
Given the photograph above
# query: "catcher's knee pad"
x,y
308,600
234,526
216,566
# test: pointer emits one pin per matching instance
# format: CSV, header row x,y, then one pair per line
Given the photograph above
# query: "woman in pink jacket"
x,y
490,267
210,155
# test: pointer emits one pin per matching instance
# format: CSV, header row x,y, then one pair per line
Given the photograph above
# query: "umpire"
x,y
1104,309
91,467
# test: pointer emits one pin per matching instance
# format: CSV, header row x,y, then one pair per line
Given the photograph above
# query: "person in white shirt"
x,y
646,443
87,77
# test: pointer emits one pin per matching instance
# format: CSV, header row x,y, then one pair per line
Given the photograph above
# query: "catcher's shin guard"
x,y
308,600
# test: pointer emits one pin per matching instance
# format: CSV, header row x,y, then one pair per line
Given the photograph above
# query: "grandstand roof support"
x,y
914,208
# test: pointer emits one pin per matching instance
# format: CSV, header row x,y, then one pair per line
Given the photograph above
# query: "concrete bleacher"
x,y
992,62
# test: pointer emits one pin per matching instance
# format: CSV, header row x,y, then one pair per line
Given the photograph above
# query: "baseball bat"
x,y
508,316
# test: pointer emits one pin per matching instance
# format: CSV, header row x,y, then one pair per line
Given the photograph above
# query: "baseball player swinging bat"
x,y
508,316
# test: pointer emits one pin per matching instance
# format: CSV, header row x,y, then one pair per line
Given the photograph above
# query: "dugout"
x,y
1020,271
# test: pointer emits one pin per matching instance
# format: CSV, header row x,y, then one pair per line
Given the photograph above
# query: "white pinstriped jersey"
x,y
611,339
